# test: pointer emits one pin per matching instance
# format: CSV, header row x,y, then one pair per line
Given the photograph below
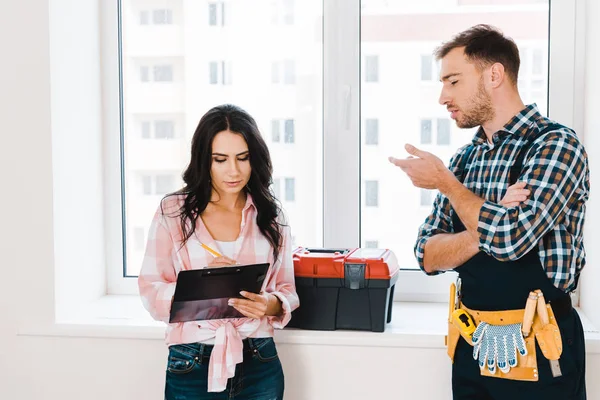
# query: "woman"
x,y
226,204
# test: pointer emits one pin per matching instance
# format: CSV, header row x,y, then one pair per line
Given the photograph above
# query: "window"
x,y
372,131
427,67
219,73
442,129
165,184
147,186
163,73
372,193
283,72
158,184
289,72
288,12
443,132
277,187
290,189
162,17
144,74
426,131
283,12
538,62
275,131
533,74
216,14
325,100
144,18
289,131
145,128
371,69
164,129
200,63
408,54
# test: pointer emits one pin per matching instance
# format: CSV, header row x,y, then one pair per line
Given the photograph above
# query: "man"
x,y
509,219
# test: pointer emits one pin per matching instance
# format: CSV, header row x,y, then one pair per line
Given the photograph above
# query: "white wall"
x,y
37,367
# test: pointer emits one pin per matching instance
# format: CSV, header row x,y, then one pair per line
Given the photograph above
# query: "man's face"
x,y
463,92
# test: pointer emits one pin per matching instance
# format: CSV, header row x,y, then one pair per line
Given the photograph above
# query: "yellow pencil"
x,y
211,251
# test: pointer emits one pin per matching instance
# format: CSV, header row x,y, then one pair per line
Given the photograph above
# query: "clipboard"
x,y
202,294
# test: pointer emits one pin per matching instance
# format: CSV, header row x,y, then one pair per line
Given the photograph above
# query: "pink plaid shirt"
x,y
165,257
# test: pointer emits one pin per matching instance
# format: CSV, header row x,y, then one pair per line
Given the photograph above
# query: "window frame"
x,y
342,195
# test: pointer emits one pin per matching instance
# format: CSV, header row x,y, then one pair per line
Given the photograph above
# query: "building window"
x,y
139,240
164,184
372,193
290,189
283,12
289,72
538,62
277,187
144,18
219,73
426,67
288,12
147,185
283,72
145,128
144,74
164,129
289,131
372,131
275,131
426,198
163,73
426,131
159,184
371,68
371,244
162,17
216,14
443,132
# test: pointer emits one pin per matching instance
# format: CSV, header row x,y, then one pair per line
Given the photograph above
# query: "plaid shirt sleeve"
x,y
556,165
440,219
282,283
158,276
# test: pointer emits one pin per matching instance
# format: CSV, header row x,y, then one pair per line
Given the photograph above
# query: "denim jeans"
x,y
258,377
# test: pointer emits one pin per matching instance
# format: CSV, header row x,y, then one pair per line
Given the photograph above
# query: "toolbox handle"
x,y
328,251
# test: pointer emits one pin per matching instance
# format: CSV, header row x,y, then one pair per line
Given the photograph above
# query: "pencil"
x,y
211,251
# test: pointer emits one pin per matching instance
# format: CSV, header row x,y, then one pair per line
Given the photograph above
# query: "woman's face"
x,y
230,168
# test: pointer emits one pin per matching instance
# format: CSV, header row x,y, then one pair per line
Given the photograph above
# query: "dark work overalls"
x,y
492,285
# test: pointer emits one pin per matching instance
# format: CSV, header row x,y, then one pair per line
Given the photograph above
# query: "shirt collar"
x,y
518,125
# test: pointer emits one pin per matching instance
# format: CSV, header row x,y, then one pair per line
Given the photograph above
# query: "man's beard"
x,y
479,110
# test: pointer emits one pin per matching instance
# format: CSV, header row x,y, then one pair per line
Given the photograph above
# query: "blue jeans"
x,y
258,377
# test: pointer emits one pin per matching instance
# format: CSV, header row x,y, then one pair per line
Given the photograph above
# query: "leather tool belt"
x,y
547,335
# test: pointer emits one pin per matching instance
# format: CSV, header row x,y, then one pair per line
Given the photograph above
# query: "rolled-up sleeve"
x,y
157,276
440,218
282,283
553,173
439,221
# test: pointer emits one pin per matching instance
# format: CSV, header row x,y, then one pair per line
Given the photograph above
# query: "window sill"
x,y
415,325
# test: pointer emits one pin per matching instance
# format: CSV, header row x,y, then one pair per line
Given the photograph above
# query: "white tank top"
x,y
226,248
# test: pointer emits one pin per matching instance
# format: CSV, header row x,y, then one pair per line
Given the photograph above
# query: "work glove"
x,y
498,345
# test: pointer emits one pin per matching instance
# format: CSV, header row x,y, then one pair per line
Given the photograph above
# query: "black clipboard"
x,y
202,294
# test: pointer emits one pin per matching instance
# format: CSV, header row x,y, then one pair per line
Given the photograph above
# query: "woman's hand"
x,y
257,305
222,262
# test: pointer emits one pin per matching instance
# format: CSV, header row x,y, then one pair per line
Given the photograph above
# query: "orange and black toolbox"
x,y
344,288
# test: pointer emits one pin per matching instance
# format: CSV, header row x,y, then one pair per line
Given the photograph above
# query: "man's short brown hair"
x,y
485,45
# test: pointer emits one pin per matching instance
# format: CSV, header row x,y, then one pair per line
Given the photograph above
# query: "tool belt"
x,y
547,335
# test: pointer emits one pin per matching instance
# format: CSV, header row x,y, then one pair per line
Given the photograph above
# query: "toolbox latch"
x,y
354,276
